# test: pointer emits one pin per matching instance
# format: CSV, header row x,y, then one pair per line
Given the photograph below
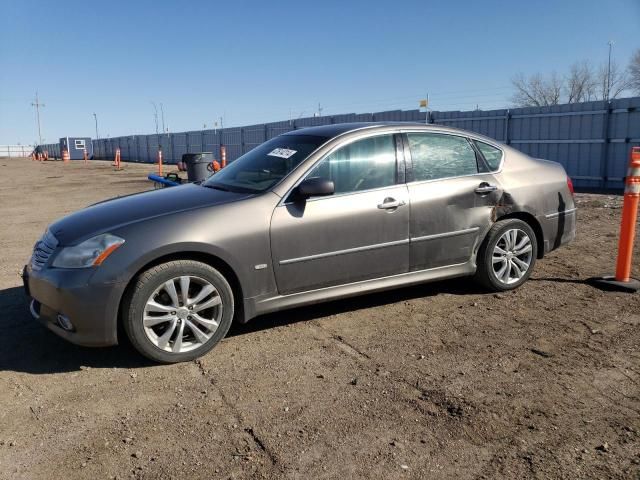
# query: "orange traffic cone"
x,y
622,280
65,155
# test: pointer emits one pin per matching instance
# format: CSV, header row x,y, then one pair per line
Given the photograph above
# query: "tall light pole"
x,y
608,91
155,115
37,104
95,117
162,112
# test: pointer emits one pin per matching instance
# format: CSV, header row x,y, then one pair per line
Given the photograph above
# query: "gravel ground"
x,y
436,381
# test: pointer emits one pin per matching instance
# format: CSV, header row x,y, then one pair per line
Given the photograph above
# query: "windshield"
x,y
261,168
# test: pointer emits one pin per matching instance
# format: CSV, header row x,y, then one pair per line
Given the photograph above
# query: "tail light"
x,y
570,186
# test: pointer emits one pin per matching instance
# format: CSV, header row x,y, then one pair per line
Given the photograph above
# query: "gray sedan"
x,y
312,215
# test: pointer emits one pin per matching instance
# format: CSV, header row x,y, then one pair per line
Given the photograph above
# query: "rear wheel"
x,y
178,311
507,255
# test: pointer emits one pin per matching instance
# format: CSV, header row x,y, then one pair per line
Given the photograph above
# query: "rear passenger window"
x,y
436,156
491,154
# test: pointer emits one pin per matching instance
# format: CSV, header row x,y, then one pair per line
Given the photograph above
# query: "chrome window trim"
x,y
336,253
564,212
453,134
444,235
345,194
341,142
420,182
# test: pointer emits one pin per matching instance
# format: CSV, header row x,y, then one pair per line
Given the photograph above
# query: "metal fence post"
x,y
604,156
171,147
506,127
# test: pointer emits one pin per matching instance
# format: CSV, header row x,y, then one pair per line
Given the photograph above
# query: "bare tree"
x,y
537,91
619,81
581,83
634,72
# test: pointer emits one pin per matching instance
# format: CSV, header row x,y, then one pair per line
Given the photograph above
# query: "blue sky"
x,y
257,61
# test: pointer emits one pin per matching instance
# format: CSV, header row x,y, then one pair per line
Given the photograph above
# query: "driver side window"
x,y
362,165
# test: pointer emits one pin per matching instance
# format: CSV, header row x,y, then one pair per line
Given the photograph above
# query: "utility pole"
x,y
96,119
37,104
155,115
319,110
221,124
608,90
162,111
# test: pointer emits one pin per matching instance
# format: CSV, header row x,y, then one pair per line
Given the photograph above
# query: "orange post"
x,y
84,154
223,156
116,160
622,281
65,155
46,154
629,217
160,161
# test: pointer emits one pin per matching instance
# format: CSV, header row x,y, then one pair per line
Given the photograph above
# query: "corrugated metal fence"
x,y
591,140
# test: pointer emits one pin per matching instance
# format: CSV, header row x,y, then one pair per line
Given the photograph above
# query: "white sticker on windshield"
x,y
282,152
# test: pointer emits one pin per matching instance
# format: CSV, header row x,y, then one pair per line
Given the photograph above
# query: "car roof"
x,y
336,129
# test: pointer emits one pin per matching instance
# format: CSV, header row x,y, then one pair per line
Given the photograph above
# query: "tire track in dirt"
x,y
249,430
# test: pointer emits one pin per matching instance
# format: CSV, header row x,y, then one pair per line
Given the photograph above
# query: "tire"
x,y
500,235
154,314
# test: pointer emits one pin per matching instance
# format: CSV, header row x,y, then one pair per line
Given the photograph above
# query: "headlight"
x,y
89,253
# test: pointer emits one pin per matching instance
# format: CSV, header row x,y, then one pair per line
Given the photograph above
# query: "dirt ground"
x,y
437,381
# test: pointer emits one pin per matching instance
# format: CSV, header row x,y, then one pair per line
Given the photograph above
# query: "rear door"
x,y
452,198
358,233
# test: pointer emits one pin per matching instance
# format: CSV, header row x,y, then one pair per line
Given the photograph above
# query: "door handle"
x,y
485,187
390,203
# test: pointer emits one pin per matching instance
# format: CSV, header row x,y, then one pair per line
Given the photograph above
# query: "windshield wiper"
x,y
231,188
217,187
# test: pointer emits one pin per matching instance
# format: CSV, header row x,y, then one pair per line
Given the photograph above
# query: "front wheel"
x,y
507,255
178,311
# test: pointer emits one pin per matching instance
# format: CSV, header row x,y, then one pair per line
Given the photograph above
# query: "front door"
x,y
358,233
452,199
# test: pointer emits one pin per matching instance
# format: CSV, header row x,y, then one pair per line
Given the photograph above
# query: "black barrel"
x,y
197,164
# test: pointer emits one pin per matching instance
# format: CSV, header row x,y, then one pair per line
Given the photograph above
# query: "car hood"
x,y
112,214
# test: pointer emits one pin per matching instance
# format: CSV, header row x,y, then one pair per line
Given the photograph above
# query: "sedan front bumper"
x,y
60,296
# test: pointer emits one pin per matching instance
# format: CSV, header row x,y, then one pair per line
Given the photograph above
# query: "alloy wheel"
x,y
512,256
182,314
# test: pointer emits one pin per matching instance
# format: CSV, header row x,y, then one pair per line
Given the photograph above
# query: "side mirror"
x,y
315,187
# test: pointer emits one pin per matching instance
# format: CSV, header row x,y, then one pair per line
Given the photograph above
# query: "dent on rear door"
x,y
449,220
